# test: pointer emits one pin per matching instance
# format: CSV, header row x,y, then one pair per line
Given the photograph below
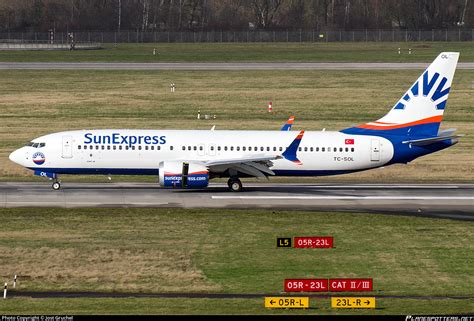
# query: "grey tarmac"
x,y
222,66
454,201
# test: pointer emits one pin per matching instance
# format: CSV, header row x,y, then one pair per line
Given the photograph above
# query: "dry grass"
x,y
33,103
178,250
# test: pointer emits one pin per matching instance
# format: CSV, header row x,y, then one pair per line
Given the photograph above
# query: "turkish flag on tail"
x,y
349,141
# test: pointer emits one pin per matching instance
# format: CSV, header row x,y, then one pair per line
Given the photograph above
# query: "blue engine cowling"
x,y
183,175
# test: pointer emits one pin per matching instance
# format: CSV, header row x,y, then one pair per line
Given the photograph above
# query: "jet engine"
x,y
177,174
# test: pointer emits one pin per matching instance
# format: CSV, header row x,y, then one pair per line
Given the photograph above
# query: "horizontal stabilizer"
x,y
431,140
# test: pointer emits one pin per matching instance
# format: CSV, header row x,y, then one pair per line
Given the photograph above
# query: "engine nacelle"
x,y
183,175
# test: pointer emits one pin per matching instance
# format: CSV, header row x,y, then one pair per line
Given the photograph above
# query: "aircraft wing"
x,y
258,165
288,124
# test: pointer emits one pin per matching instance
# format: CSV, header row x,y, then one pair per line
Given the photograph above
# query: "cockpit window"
x,y
36,145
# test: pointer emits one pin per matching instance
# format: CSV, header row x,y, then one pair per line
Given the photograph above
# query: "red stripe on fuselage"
x,y
435,119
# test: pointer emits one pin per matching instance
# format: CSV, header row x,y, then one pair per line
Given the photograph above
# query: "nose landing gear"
x,y
56,185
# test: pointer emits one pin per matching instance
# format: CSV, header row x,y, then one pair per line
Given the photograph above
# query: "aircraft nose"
x,y
15,157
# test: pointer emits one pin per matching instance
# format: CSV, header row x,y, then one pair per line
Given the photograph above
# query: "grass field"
x,y
261,52
228,251
34,103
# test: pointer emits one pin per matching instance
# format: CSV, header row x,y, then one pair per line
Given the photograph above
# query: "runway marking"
x,y
347,197
90,203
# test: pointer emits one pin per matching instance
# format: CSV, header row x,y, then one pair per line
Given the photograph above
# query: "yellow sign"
x,y
287,302
353,303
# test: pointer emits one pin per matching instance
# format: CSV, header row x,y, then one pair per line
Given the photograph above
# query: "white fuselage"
x,y
141,151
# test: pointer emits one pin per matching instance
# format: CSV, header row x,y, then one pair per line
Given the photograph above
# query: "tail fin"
x,y
420,110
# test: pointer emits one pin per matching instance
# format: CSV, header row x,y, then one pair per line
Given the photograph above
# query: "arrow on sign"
x,y
367,302
272,302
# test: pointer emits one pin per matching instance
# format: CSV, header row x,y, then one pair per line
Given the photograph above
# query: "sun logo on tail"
x,y
438,97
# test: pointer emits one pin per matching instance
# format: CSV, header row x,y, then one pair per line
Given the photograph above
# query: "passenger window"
x,y
323,149
268,148
218,148
183,147
311,149
237,148
347,149
232,148
79,147
189,148
133,147
139,148
299,149
243,148
261,149
195,148
317,149
96,147
158,147
201,148
42,145
108,147
120,147
152,147
171,147
35,145
306,149
146,147
103,147
114,147
352,149
274,149
281,149
225,148
126,147
341,149
212,147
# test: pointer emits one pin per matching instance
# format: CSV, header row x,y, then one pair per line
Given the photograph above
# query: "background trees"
x,y
177,15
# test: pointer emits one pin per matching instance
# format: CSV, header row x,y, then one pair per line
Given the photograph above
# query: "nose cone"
x,y
16,157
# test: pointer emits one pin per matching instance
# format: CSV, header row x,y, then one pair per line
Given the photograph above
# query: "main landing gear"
x,y
235,185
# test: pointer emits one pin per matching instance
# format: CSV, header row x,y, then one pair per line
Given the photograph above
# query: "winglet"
x,y
288,124
290,152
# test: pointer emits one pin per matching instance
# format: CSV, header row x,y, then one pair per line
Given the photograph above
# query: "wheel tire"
x,y
235,185
56,186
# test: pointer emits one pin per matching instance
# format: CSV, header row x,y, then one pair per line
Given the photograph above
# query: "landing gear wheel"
x,y
56,186
235,185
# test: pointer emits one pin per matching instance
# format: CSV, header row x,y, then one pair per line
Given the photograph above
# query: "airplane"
x,y
288,124
190,158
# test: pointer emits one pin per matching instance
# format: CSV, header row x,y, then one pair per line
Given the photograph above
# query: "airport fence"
x,y
438,35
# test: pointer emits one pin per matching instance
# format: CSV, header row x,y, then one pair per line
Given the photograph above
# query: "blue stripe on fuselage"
x,y
147,171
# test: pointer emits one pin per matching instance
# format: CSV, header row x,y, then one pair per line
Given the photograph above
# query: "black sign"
x,y
284,242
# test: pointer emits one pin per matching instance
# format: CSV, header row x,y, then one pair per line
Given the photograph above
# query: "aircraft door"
x,y
67,147
375,150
